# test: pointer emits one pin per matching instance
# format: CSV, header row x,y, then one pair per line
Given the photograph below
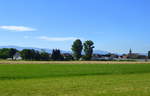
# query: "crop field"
x,y
70,79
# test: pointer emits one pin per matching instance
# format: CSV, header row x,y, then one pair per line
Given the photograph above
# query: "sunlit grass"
x,y
75,80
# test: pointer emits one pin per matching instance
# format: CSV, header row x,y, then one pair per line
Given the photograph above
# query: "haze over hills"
x,y
49,50
62,51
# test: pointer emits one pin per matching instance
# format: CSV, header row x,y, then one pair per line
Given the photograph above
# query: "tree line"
x,y
80,51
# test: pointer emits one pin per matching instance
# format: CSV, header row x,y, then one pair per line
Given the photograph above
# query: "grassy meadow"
x,y
72,79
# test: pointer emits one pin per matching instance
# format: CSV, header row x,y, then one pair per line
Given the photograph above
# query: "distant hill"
x,y
39,49
49,50
21,48
100,52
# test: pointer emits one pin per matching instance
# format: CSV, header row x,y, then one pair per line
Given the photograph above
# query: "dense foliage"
x,y
56,55
7,53
31,54
88,49
77,49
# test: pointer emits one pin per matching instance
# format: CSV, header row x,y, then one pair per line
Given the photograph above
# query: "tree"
x,y
12,52
7,53
45,56
4,53
88,49
148,54
25,54
77,49
36,55
56,55
29,54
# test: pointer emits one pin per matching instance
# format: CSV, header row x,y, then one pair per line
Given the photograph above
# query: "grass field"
x,y
75,79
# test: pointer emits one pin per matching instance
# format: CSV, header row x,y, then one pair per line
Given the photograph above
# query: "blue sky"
x,y
114,25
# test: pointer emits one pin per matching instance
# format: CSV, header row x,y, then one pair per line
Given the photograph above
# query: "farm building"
x,y
17,56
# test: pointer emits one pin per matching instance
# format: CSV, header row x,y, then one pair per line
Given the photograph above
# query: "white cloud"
x,y
17,28
57,38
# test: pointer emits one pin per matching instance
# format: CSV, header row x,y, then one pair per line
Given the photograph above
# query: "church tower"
x,y
130,53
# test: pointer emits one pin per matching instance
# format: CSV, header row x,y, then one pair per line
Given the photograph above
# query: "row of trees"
x,y
7,53
26,54
31,54
80,51
78,47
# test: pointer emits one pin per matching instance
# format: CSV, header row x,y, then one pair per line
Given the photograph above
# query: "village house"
x,y
17,56
67,56
105,57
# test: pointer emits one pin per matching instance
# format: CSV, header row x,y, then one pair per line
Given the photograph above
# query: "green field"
x,y
75,80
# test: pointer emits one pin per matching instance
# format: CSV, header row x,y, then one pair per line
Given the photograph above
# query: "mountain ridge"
x,y
49,50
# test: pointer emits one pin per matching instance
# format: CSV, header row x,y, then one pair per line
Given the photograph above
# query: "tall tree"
x,y
56,55
148,54
88,49
77,49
